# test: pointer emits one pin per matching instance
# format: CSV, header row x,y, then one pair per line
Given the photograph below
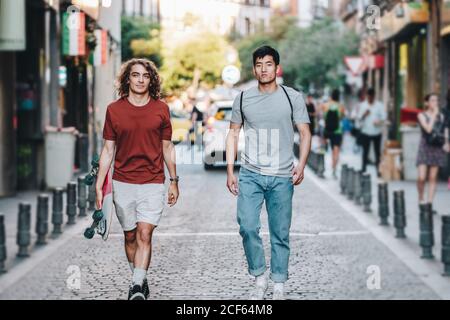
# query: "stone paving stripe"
x,y
37,256
425,270
236,234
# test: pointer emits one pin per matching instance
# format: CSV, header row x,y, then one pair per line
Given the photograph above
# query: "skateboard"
x,y
102,218
90,178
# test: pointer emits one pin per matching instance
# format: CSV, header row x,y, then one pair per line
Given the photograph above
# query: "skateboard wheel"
x,y
98,215
89,233
89,180
95,161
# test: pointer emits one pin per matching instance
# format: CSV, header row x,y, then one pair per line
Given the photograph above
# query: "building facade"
x,y
54,75
179,18
405,47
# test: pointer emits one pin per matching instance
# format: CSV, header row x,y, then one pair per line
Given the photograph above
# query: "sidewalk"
x,y
441,203
9,207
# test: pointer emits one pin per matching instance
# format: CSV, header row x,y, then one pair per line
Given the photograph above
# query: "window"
x,y
248,26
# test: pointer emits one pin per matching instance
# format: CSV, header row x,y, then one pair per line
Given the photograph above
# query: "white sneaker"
x,y
259,291
278,291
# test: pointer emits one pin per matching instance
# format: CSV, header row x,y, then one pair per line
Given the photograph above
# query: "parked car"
x,y
215,135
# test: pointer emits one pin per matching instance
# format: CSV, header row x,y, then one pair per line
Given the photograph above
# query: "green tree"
x,y
140,38
312,56
198,59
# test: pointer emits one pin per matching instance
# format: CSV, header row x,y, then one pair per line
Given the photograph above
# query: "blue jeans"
x,y
254,188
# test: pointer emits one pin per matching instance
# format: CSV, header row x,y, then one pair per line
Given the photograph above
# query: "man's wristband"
x,y
176,179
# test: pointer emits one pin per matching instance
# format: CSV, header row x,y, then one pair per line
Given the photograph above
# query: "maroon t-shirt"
x,y
138,133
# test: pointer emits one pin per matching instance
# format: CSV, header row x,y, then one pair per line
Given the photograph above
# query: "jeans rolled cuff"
x,y
257,272
279,277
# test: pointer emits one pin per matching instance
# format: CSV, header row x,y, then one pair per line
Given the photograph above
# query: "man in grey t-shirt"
x,y
267,113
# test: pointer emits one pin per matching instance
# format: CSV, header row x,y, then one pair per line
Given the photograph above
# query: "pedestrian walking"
x,y
372,117
267,172
434,144
138,131
356,125
310,106
333,114
197,119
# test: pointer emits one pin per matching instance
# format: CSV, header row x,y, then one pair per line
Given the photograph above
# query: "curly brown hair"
x,y
122,82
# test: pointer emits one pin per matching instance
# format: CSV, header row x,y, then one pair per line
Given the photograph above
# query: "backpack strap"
x,y
290,103
240,106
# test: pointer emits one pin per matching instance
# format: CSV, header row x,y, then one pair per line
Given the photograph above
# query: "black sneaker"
x,y
145,289
136,293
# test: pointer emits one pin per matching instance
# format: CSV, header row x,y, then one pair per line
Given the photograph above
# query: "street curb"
x,y
429,272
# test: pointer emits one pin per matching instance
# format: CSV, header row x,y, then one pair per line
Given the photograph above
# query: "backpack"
x,y
289,99
436,137
332,121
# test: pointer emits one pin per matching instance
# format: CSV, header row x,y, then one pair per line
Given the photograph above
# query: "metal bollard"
x,y
71,207
320,165
446,244
23,229
83,151
316,161
350,174
426,231
399,214
57,214
91,197
82,197
383,203
42,219
366,186
313,161
3,254
344,169
357,190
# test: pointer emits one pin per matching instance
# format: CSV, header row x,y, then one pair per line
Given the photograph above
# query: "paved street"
x,y
197,253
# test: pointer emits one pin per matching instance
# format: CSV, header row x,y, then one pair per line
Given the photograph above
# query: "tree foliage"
x,y
313,56
199,59
140,38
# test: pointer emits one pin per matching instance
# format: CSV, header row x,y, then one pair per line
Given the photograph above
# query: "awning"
x,y
445,18
53,4
12,25
90,7
374,61
404,19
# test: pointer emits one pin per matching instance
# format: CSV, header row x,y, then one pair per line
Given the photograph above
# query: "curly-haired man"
x,y
138,131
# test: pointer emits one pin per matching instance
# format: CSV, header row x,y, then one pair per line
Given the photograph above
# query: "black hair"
x,y
428,96
335,95
263,51
371,92
361,93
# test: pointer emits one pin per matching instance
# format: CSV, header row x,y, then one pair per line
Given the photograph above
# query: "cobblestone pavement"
x,y
197,254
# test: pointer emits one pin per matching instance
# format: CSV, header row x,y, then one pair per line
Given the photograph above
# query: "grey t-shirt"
x,y
268,128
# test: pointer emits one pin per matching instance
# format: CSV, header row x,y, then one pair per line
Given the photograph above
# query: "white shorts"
x,y
138,203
